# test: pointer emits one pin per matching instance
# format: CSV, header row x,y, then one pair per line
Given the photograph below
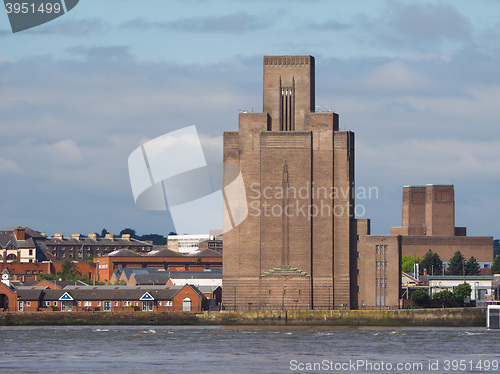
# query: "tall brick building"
x,y
297,247
429,224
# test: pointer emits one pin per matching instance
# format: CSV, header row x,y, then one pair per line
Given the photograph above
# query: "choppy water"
x,y
217,349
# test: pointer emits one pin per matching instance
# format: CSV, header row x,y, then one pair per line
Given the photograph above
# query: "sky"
x,y
417,81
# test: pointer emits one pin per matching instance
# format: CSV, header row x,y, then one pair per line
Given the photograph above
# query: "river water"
x,y
218,349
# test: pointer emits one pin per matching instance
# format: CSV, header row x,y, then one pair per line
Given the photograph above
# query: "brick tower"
x,y
295,249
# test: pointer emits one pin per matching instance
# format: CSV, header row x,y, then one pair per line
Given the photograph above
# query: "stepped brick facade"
x,y
429,224
297,247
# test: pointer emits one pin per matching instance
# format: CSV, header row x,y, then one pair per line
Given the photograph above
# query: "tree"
x,y
462,291
48,276
495,268
104,232
472,267
69,271
408,262
432,263
420,297
456,264
129,231
444,298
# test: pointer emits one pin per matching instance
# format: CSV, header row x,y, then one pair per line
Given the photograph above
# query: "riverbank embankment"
x,y
465,317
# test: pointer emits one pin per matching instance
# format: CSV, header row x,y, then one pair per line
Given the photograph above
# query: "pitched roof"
x,y
124,253
29,294
113,293
164,252
205,253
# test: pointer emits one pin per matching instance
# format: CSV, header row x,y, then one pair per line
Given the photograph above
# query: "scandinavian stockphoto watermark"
x,y
171,170
26,14
308,200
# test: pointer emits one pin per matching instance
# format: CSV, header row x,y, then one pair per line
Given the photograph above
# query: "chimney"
x,y
126,236
75,236
58,235
92,236
20,233
110,236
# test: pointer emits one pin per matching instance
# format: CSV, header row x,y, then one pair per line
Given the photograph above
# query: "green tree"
x,y
444,298
495,268
408,262
432,263
456,264
420,298
49,276
104,232
462,291
472,267
69,271
130,232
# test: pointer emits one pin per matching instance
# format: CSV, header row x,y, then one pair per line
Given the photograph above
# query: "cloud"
x,y
237,22
330,25
72,27
394,77
9,168
417,25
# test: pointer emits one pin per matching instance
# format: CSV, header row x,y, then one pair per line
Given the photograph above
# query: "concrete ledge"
x,y
465,317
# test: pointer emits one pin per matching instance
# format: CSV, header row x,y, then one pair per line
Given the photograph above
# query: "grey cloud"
x,y
237,22
416,26
330,25
72,27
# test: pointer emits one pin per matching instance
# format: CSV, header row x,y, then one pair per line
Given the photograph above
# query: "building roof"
x,y
212,274
163,252
33,293
123,253
204,253
152,278
113,293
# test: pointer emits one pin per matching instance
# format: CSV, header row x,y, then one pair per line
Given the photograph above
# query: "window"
x,y
385,265
362,302
357,270
98,303
55,303
116,303
136,303
159,303
79,303
87,303
46,303
186,267
28,272
168,303
31,252
127,303
387,300
377,265
376,249
376,283
385,249
386,283
358,289
357,254
377,300
28,303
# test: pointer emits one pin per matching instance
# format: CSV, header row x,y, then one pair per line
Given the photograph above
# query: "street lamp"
x,y
234,297
283,298
329,295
